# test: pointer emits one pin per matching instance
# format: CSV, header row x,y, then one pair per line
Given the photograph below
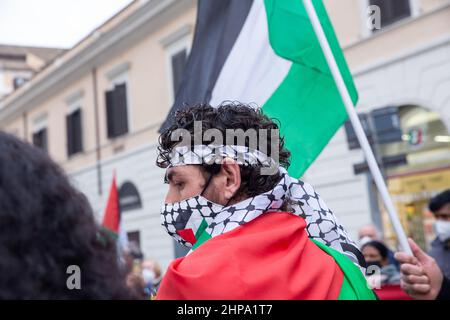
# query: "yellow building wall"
x,y
411,194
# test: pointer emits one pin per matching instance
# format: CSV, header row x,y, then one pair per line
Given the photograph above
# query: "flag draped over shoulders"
x,y
270,257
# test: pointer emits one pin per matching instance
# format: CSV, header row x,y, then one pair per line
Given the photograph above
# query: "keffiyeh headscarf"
x,y
197,219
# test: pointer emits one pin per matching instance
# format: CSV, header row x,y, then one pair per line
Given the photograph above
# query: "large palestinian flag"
x,y
270,257
266,52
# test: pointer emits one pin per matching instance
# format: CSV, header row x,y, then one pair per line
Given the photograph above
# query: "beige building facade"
x,y
97,108
19,63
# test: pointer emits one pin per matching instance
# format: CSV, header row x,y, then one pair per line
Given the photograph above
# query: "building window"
x,y
134,236
392,11
18,81
40,132
134,240
117,111
40,139
74,132
177,45
129,198
178,62
74,123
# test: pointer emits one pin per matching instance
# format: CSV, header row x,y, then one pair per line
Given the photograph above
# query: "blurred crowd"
x,y
382,266
143,276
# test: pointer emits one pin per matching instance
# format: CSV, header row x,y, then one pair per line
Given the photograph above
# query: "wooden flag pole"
x,y
370,158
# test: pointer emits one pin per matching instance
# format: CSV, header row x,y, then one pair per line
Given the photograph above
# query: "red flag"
x,y
111,219
391,292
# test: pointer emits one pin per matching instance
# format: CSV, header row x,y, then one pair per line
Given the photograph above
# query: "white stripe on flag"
x,y
252,71
122,239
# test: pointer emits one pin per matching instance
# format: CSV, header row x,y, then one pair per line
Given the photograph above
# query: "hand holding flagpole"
x,y
371,161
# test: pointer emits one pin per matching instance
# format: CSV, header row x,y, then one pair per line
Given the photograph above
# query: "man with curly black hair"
x,y
48,232
254,231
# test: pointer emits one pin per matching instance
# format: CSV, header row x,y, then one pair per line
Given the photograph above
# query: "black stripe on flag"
x,y
218,25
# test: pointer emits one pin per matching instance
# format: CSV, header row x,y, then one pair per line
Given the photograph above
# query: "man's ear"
x,y
231,173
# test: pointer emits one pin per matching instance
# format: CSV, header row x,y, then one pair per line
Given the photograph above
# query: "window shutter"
x,y
400,9
178,64
36,140
69,134
109,98
44,139
77,131
40,139
120,118
392,11
74,133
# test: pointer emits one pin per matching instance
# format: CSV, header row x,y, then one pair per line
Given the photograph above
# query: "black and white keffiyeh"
x,y
299,197
210,154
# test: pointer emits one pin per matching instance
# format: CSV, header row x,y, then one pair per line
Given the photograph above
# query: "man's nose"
x,y
170,196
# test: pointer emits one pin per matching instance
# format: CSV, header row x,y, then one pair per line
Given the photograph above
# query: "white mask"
x,y
148,275
442,230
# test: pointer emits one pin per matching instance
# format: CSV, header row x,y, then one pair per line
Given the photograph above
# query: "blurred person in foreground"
x,y
440,247
422,279
45,227
376,255
370,232
253,234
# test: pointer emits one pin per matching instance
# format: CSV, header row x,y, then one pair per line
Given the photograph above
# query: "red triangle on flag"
x,y
111,217
188,235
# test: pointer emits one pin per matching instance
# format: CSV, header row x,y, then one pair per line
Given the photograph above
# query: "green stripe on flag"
x,y
105,235
354,286
201,235
307,102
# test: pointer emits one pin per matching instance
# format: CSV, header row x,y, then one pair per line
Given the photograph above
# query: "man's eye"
x,y
179,185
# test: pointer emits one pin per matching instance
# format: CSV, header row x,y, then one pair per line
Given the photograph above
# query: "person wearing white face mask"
x,y
151,273
440,247
370,232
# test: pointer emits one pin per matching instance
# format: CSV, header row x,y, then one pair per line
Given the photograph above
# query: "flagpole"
x,y
370,158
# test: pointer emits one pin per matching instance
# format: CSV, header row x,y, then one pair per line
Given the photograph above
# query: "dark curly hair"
x,y
440,200
379,246
229,115
47,226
